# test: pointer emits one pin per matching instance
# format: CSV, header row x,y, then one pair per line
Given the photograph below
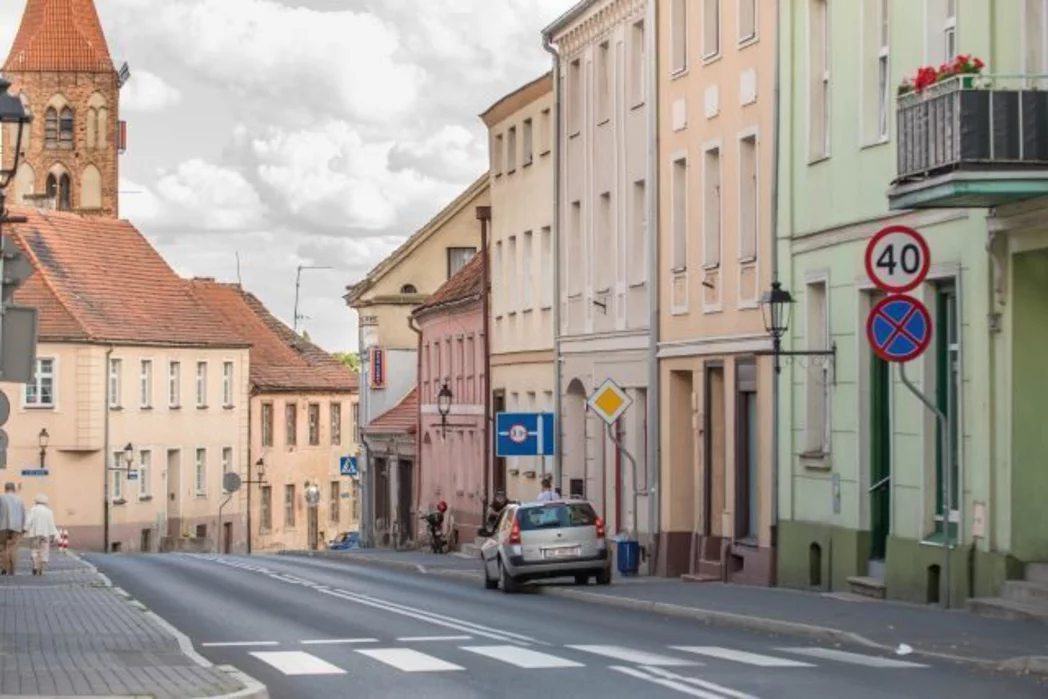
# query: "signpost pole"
x,y
947,466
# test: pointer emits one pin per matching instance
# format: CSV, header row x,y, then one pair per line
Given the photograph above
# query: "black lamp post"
x,y
129,455
777,309
43,440
260,465
12,111
444,407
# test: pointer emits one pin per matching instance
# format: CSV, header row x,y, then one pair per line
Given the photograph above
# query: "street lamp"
x,y
43,438
777,310
12,111
444,398
260,465
129,455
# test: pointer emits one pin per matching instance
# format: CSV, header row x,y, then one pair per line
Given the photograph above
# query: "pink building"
x,y
451,447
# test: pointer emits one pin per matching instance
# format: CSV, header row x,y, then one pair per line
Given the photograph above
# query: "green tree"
x,y
350,359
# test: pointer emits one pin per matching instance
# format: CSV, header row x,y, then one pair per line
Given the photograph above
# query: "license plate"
x,y
566,552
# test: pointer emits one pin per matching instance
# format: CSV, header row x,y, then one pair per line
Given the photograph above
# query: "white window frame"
x,y
145,464
118,483
823,73
707,147
200,472
546,243
604,88
949,32
227,384
527,273
818,371
512,278
678,266
174,384
511,150
751,133
201,384
638,77
1031,29
145,379
527,129
37,382
679,54
747,39
707,55
116,370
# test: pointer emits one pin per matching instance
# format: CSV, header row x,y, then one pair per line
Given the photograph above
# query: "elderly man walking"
x,y
12,522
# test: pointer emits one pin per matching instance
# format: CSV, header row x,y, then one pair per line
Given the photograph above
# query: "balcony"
x,y
972,141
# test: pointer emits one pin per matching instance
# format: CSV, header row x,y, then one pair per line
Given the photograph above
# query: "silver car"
x,y
562,538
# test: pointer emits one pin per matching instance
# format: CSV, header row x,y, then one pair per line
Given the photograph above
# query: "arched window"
x,y
65,128
408,289
52,186
65,196
51,128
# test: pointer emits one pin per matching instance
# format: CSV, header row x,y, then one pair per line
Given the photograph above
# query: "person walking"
x,y
12,522
41,530
547,494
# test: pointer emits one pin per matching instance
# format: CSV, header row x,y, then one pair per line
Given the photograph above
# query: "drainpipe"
x,y
105,458
484,216
418,416
653,432
558,471
776,129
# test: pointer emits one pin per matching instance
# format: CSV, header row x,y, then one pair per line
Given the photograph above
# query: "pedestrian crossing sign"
x,y
609,401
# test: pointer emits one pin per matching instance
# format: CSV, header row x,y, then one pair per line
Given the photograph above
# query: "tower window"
x,y
51,128
60,189
65,126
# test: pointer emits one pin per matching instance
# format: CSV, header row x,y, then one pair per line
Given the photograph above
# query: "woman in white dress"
x,y
40,530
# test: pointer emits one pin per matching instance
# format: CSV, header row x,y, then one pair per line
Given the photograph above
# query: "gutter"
x,y
775,388
653,430
558,379
417,486
105,456
484,216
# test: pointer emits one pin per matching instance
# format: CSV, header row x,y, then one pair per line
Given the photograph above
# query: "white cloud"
x,y
147,92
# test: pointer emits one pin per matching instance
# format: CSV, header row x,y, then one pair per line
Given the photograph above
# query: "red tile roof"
x,y
402,417
100,280
281,360
60,35
466,285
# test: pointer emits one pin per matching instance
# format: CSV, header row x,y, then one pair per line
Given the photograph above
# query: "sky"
x,y
305,132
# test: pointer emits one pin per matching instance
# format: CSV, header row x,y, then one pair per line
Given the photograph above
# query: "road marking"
x,y
410,660
295,662
337,641
741,656
409,639
636,657
233,644
522,657
668,684
853,658
721,691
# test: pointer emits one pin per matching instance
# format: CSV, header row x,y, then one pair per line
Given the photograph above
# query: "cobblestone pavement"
x,y
69,633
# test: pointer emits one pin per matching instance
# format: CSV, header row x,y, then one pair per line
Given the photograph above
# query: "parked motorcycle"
x,y
438,543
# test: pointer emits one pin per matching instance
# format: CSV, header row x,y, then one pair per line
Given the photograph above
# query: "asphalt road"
x,y
321,629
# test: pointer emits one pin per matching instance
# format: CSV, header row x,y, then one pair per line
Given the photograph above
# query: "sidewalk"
x,y
836,618
69,633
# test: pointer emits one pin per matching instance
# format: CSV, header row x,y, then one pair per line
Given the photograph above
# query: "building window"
x,y
512,280
747,20
291,424
546,267
40,391
498,295
145,463
408,289
267,424
876,77
65,128
511,150
819,79
51,128
355,413
227,384
603,82
201,472
313,417
711,29
527,283
201,385
497,154
459,258
679,37
948,393
711,224
749,198
574,90
817,337
529,142
335,410
118,480
334,506
116,367
638,235
174,384
545,131
227,460
146,381
679,213
949,31
266,507
289,506
605,242
60,189
637,78
1035,27
574,262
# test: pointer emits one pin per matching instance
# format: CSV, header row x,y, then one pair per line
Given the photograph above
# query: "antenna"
x,y
240,282
298,285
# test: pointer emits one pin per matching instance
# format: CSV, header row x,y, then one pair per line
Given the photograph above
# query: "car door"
x,y
490,548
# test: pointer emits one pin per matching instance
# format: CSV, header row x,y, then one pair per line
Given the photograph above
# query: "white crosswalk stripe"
x,y
636,657
295,662
522,657
851,658
409,660
741,656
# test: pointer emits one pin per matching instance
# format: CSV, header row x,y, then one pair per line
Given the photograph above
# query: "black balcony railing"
x,y
973,123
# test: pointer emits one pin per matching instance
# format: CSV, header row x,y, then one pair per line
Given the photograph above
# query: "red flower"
x,y
979,65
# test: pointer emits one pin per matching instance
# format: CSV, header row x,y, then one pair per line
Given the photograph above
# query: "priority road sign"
x,y
897,259
609,402
524,434
899,328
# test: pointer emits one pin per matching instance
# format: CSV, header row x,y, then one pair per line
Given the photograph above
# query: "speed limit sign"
x,y
897,259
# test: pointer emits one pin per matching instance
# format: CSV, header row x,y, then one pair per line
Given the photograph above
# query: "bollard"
x,y
63,541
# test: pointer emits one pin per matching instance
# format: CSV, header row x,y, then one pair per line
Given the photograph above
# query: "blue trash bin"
x,y
628,555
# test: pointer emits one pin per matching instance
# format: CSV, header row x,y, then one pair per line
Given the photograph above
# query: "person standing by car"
x,y
547,494
41,530
12,522
498,504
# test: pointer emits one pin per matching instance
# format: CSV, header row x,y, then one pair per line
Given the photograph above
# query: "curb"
x,y
252,688
1026,665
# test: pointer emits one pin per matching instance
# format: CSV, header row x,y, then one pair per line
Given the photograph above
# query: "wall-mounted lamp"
x,y
777,309
43,439
444,399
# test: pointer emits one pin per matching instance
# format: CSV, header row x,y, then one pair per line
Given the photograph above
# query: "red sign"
x,y
897,259
377,359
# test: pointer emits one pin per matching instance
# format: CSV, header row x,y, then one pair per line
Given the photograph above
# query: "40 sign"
x,y
897,259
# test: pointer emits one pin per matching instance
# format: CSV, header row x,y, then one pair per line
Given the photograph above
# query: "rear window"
x,y
556,516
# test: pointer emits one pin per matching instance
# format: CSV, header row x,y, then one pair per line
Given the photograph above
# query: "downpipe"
x,y
654,446
558,380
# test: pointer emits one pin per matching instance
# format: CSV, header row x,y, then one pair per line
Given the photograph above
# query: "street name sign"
x,y
34,472
897,259
899,328
609,401
525,434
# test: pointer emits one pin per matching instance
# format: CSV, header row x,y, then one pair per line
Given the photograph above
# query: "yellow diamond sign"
x,y
609,401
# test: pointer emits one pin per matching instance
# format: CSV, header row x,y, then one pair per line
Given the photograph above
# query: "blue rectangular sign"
x,y
525,434
28,472
347,465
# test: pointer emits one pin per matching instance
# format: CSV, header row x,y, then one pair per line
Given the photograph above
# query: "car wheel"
x,y
509,585
581,579
489,584
604,577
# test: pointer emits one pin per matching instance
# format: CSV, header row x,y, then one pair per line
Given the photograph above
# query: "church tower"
x,y
61,67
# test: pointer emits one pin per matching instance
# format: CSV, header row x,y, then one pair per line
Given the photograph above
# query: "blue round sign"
x,y
899,328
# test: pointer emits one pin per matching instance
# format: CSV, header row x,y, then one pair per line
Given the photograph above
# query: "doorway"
x,y
880,458
312,528
498,471
174,493
227,537
405,496
747,475
713,449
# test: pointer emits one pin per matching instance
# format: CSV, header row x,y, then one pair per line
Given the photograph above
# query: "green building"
x,y
965,163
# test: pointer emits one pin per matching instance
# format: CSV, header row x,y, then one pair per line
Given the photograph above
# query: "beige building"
x,y
136,383
716,97
520,127
389,356
302,406
605,249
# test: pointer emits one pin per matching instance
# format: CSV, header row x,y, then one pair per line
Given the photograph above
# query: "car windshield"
x,y
557,515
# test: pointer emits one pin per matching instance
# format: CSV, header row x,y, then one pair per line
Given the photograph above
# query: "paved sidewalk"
x,y
69,633
838,618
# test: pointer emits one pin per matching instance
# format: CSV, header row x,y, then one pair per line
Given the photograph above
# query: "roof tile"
x,y
60,36
467,284
402,417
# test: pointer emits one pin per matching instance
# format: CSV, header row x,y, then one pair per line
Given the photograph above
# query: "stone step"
x,y
867,586
700,578
711,569
1037,572
1007,609
1026,592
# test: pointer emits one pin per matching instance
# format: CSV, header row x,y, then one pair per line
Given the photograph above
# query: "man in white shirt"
x,y
547,494
12,522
